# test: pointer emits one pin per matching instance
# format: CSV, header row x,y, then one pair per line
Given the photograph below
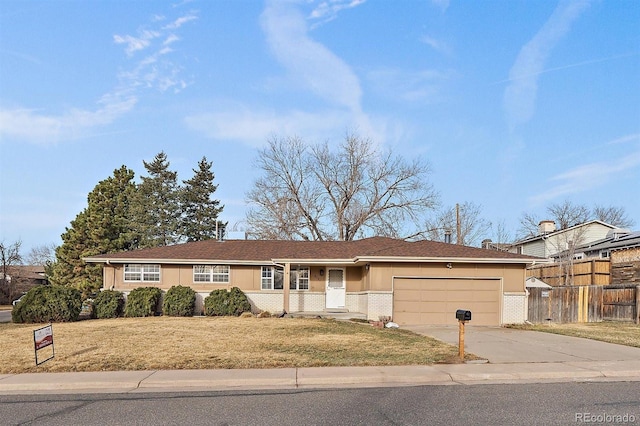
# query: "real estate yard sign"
x,y
42,338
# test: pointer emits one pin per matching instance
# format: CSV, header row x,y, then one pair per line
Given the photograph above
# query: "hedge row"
x,y
59,303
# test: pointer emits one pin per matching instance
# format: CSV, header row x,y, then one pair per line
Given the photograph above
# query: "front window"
x,y
299,279
211,273
272,278
137,272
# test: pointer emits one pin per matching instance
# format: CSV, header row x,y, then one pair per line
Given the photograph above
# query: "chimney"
x,y
546,227
447,236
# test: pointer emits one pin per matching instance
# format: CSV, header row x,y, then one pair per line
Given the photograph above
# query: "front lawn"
x,y
166,343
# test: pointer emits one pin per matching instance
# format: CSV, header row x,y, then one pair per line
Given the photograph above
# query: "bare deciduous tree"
x,y
314,193
500,237
9,256
472,226
42,255
616,216
567,214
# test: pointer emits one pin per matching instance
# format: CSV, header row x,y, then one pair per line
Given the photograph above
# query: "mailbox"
x,y
462,315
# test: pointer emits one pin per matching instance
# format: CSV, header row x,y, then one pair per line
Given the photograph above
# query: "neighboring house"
x,y
422,282
622,249
616,239
552,243
20,279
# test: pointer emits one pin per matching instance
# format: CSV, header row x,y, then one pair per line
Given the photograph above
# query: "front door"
x,y
336,289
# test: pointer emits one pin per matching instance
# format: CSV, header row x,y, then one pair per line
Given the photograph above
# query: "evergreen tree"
x,y
157,207
199,210
104,226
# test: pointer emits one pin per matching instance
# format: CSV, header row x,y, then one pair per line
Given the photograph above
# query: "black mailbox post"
x,y
462,316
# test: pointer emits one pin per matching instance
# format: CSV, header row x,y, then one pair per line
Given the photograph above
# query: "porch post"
x,y
285,287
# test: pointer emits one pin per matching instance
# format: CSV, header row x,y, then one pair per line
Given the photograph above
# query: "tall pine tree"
x,y
104,226
199,210
157,208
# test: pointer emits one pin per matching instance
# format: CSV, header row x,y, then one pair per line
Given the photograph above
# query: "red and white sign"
x,y
43,337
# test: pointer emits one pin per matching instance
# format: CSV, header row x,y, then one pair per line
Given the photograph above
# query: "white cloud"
x,y
308,61
328,10
192,16
587,177
436,45
253,128
442,4
408,86
154,71
309,65
624,139
32,126
520,95
135,44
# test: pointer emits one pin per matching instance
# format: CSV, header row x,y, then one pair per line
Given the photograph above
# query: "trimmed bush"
x,y
179,301
226,303
108,304
48,303
215,304
143,302
238,302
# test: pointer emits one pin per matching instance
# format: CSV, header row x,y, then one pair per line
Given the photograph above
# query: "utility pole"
x,y
458,231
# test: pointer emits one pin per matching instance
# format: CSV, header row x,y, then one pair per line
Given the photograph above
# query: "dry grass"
x,y
208,343
621,333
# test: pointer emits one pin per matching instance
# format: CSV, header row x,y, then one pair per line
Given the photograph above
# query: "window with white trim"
x,y
272,278
299,279
139,272
211,273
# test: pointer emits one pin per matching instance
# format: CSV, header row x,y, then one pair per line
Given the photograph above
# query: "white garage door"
x,y
435,300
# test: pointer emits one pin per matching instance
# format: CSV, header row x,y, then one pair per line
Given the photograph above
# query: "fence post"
x,y
637,318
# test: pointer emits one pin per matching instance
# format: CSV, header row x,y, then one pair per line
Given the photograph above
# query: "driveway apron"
x,y
505,345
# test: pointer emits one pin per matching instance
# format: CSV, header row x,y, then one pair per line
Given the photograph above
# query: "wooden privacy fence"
x,y
586,272
591,303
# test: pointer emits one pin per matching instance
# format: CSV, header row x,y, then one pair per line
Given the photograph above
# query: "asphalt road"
x,y
5,316
521,404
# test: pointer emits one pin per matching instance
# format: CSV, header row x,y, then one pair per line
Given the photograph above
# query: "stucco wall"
x,y
247,278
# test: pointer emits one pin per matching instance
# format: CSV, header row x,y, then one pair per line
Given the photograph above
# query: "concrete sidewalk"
x,y
511,356
322,377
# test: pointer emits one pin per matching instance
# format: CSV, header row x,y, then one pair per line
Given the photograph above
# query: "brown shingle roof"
x,y
269,250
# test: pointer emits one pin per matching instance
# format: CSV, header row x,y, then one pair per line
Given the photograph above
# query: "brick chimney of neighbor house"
x,y
546,227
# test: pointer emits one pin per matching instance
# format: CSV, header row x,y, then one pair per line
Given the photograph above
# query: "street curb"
x,y
316,377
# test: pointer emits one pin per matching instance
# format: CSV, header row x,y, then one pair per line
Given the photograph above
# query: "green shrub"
x,y
108,304
215,304
143,302
238,302
179,302
226,303
48,303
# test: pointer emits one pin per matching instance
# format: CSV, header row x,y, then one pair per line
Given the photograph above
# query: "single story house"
x,y
420,282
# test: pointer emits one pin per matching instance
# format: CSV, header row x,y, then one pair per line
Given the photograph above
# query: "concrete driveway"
x,y
504,345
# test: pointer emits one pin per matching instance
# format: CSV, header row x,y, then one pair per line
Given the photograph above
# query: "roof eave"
x,y
418,259
109,261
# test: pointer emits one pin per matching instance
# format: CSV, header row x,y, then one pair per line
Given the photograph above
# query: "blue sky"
x,y
516,104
